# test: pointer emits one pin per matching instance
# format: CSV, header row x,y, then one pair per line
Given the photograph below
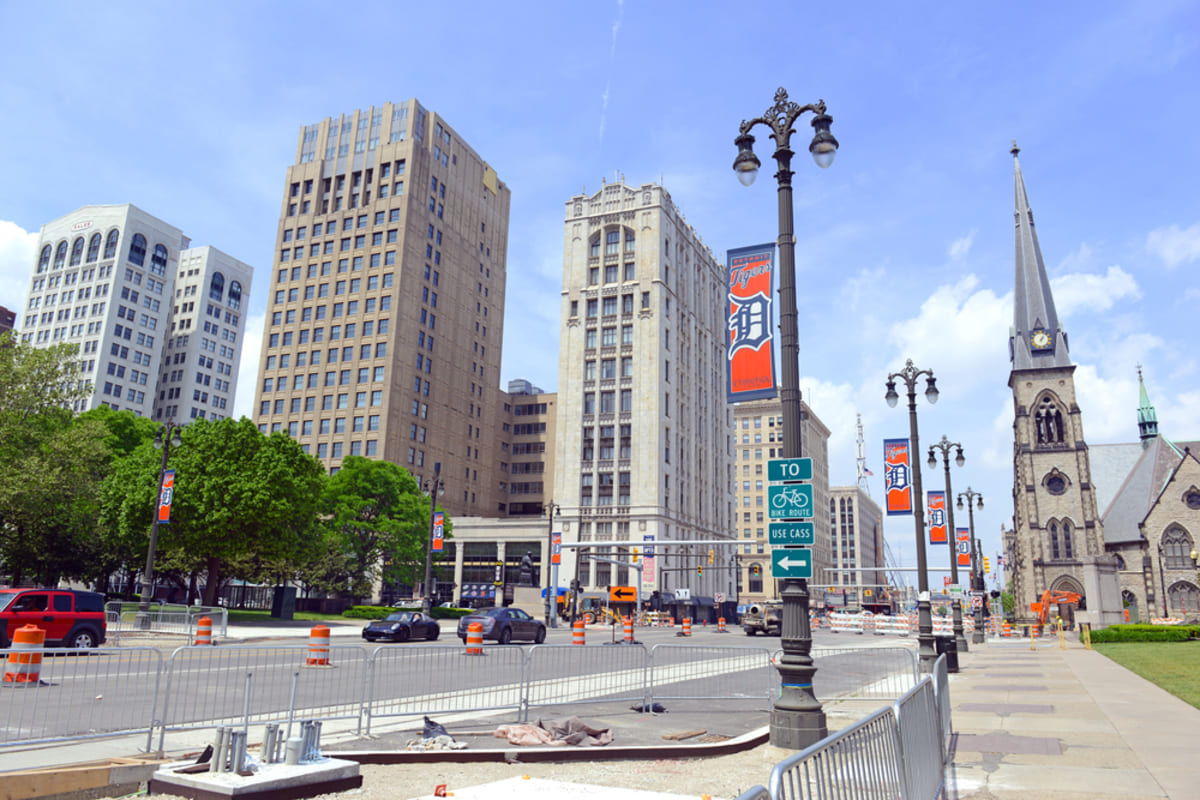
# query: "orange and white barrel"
x,y
721,625
475,639
1007,628
24,664
588,618
318,647
203,631
578,633
687,626
627,626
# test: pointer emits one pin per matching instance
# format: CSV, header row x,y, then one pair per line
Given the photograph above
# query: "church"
x,y
1116,524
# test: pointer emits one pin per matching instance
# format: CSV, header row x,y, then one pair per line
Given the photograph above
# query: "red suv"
x,y
69,617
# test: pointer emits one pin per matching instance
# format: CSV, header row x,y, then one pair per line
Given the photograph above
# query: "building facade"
x,y
527,451
643,449
857,576
110,279
757,438
386,313
8,320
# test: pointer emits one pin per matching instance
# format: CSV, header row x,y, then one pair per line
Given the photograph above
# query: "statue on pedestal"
x,y
526,573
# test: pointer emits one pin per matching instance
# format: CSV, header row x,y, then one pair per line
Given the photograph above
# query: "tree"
x,y
242,501
376,518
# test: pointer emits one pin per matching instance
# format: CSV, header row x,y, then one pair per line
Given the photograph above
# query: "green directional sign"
x,y
790,501
791,562
789,469
792,533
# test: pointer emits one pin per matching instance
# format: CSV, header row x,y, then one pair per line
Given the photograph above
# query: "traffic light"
x,y
711,555
755,570
699,570
987,564
635,555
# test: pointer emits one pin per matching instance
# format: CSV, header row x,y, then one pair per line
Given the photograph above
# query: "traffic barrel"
x,y
24,664
578,632
627,625
721,625
687,626
1007,628
203,631
318,647
475,639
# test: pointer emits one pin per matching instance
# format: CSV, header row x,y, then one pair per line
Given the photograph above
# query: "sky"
x,y
191,111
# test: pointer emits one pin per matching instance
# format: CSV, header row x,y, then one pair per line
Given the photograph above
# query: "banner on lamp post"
x,y
166,494
750,355
897,477
962,537
937,517
439,521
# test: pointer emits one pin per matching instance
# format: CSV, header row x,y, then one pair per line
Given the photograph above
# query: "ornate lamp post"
x,y
434,488
909,375
960,640
551,577
168,435
975,498
796,718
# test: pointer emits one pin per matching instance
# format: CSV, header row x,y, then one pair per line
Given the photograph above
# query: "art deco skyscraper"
x,y
386,309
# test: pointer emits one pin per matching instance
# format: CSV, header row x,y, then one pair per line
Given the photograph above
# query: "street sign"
x,y
792,533
791,562
683,594
789,469
790,501
719,597
976,601
955,590
622,594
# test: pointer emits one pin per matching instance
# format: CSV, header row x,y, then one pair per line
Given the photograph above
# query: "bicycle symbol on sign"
x,y
794,498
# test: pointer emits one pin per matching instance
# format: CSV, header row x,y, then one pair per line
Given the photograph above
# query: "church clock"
x,y
1040,339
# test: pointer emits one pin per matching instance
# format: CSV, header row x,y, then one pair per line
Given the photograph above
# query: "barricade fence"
x,y
104,692
125,617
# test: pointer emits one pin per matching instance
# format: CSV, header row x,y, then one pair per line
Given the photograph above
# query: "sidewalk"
x,y
1064,724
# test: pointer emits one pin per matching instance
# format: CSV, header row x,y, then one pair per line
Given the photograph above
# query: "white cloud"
x,y
1175,245
16,260
1092,292
961,246
247,380
1109,406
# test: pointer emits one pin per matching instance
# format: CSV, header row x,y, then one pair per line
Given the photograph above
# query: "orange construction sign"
x,y
622,594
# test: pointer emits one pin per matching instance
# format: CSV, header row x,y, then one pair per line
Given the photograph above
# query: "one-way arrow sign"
x,y
791,562
622,594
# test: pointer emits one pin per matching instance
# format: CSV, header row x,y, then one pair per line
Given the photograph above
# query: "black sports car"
x,y
503,625
400,626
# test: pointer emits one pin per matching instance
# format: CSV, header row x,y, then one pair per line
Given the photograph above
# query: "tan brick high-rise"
x,y
386,310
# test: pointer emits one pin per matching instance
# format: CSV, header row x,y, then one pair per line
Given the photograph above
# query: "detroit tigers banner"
x,y
962,537
750,354
166,493
897,481
937,517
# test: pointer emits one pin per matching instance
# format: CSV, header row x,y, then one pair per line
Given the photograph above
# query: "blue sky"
x,y
191,111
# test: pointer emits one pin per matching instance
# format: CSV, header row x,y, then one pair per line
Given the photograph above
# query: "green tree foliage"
x,y
376,520
53,465
242,501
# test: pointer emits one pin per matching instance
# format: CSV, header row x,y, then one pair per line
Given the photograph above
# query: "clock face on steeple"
x,y
1040,339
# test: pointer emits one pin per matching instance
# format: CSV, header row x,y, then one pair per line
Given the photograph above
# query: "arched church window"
x,y
1192,498
1056,483
1183,597
1049,422
1068,551
1176,548
1054,540
1120,562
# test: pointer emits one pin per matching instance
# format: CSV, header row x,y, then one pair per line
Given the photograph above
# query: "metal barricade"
x,y
84,694
211,686
941,688
126,618
410,681
690,672
882,673
755,793
593,673
861,762
922,745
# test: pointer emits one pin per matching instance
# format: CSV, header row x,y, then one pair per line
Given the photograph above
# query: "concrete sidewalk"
x,y
1065,724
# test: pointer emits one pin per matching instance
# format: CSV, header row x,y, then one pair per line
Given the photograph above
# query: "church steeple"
x,y
1036,341
1147,418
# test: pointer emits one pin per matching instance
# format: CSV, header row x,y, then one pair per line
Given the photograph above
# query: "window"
x,y
137,250
1176,548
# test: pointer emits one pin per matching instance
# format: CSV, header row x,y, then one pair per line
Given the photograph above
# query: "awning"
x,y
703,601
562,591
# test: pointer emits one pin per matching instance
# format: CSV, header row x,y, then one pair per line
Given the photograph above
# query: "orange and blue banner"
x,y
936,509
166,494
897,477
962,537
750,351
439,528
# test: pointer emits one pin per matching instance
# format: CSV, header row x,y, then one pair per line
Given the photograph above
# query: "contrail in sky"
x,y
612,54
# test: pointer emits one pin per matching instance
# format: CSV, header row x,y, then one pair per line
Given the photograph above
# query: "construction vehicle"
x,y
1050,598
764,618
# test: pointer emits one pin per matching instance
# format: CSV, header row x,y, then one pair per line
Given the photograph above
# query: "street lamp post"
x,y
434,487
960,640
924,618
796,717
168,435
975,500
551,570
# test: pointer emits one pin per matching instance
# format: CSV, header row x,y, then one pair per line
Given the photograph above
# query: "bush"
x,y
379,612
1147,633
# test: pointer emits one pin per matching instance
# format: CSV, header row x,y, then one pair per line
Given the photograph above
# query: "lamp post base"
x,y
980,635
796,730
960,639
927,652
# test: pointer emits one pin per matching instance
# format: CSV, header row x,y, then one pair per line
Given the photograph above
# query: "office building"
x,y
856,578
527,450
8,320
643,449
386,309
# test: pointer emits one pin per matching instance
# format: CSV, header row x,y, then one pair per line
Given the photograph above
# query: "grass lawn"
x,y
1174,666
244,615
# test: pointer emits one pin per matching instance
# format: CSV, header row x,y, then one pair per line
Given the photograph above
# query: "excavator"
x,y
1051,598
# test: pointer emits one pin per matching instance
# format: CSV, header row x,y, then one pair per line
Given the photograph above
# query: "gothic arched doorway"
x,y
1064,610
1129,600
